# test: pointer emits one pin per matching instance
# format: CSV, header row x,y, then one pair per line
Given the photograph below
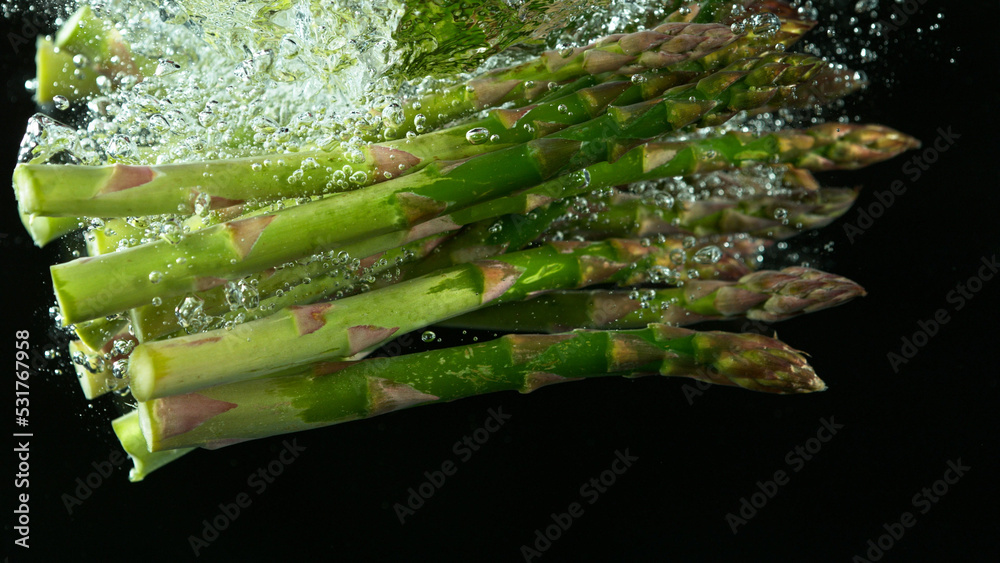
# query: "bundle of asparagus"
x,y
237,298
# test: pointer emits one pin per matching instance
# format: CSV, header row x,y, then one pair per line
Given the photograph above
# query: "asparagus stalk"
x,y
775,217
95,333
331,393
335,331
233,250
299,284
144,461
766,295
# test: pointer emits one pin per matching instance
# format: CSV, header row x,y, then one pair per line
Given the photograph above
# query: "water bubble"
x,y
234,296
166,67
191,314
428,336
119,370
123,347
121,146
60,102
708,255
171,232
663,200
477,135
202,204
155,276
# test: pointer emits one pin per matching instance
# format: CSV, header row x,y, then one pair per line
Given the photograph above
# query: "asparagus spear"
x,y
774,217
91,287
766,295
330,393
341,329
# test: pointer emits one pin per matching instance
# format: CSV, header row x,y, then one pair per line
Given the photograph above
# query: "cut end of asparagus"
x,y
130,434
44,230
141,368
94,378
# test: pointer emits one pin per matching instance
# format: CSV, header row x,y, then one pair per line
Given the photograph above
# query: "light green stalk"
x,y
143,460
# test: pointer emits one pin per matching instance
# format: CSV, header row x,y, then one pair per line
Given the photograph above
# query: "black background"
x,y
697,456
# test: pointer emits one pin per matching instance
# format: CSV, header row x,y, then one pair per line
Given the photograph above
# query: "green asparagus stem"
x,y
775,217
338,330
144,461
657,48
299,284
331,393
91,287
766,295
